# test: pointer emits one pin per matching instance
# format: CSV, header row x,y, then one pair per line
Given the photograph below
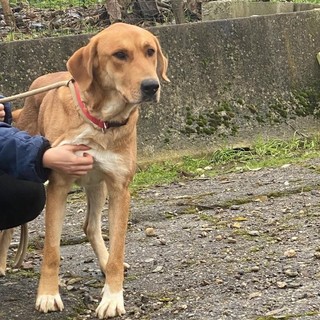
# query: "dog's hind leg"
x,y
5,240
96,198
48,298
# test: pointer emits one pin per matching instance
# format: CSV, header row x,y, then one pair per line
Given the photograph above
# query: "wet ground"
x,y
241,245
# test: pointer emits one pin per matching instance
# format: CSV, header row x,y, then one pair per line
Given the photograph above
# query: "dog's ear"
x,y
81,65
162,62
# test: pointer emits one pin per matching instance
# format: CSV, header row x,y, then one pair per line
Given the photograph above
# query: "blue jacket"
x,y
21,154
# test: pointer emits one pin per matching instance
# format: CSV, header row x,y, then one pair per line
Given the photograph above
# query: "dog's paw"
x,y
111,304
2,271
46,303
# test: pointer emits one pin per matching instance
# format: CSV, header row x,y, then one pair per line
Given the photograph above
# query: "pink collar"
x,y
104,125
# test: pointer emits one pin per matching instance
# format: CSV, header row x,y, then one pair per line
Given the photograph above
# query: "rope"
x,y
35,91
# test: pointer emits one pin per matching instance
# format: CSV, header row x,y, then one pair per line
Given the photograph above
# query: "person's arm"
x,y
21,154
31,157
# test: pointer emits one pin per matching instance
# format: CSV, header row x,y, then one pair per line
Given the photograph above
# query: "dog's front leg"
x,y
48,298
96,198
112,303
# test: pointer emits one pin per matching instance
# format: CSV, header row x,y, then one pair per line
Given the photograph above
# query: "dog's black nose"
x,y
149,87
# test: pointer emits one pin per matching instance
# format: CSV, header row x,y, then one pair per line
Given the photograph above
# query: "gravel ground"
x,y
242,245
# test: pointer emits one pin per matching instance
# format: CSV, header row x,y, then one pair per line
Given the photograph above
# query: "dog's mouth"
x,y
149,91
153,98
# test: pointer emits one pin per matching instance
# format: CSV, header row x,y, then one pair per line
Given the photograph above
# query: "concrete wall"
x,y
232,81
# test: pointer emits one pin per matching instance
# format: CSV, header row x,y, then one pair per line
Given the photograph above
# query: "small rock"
x,y
236,225
150,232
290,253
281,284
27,265
253,233
262,198
294,285
255,268
158,269
231,240
73,281
203,234
291,273
255,295
162,241
70,288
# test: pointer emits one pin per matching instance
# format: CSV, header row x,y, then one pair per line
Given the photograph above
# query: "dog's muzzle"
x,y
149,88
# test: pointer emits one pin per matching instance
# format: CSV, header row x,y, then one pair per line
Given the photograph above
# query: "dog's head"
x,y
124,60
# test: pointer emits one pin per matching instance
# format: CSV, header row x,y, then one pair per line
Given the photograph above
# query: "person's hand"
x,y
2,112
63,159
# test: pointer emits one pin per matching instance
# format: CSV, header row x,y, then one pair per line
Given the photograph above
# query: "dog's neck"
x,y
102,120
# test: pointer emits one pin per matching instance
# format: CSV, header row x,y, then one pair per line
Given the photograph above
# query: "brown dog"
x,y
119,69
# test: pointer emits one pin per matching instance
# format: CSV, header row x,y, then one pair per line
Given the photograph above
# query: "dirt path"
x,y
242,245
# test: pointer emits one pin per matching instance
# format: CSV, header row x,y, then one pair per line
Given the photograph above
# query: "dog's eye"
x,y
150,52
120,55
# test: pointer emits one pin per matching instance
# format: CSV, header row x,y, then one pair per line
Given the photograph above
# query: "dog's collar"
x,y
104,125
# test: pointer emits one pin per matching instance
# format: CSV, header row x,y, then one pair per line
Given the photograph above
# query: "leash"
x,y
35,91
73,86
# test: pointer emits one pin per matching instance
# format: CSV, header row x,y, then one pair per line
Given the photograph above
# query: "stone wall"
x,y
232,81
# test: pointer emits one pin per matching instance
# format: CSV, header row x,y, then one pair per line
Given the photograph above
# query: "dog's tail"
x,y
23,246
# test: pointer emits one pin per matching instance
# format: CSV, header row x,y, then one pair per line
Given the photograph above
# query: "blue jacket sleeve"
x,y
8,116
21,154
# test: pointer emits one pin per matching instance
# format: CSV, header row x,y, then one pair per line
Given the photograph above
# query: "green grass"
x,y
263,153
58,4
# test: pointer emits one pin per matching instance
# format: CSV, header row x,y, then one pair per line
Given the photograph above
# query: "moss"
x,y
223,116
278,108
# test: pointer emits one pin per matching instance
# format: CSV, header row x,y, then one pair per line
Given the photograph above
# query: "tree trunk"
x,y
177,8
7,12
113,9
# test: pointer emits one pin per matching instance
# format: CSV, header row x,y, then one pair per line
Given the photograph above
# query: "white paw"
x,y
46,303
111,304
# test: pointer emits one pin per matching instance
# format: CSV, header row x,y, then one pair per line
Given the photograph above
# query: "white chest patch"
x,y
104,160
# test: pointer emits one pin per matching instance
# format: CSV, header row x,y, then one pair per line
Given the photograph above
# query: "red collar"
x,y
104,125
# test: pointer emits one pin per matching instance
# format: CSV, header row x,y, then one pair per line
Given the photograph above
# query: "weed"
x,y
262,153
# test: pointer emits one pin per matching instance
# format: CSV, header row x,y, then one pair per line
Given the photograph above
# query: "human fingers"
x,y
86,159
78,170
2,112
79,147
